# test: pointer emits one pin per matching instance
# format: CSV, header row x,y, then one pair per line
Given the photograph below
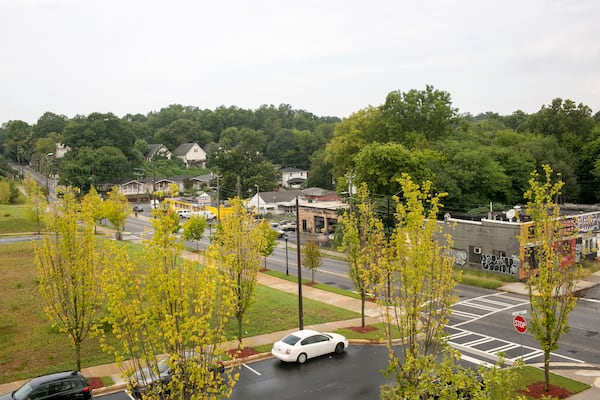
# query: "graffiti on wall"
x,y
459,255
504,265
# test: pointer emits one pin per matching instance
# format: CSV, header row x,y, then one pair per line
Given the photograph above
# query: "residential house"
x,y
191,154
277,202
293,178
201,181
157,151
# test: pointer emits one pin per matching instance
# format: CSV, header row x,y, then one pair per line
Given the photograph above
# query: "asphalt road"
x,y
354,374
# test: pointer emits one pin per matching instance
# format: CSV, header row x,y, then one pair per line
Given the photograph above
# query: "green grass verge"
x,y
531,375
107,381
30,346
16,219
321,286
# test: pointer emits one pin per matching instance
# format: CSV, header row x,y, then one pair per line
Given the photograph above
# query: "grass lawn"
x,y
30,346
15,219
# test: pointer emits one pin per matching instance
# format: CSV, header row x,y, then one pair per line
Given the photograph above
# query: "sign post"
x,y
520,324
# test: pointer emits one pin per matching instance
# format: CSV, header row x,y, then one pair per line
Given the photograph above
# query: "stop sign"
x,y
520,323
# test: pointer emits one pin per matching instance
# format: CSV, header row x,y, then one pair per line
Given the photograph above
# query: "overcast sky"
x,y
331,58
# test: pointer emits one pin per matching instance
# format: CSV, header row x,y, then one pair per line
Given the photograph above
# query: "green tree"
x,y
237,249
312,258
170,305
48,124
69,269
550,265
350,136
428,112
417,298
270,240
93,205
363,242
117,209
193,229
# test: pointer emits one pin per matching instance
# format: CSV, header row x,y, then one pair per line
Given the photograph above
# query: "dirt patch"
x,y
362,329
95,382
536,391
310,283
245,352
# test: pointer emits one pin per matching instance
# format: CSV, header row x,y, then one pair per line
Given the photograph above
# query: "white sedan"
x,y
302,345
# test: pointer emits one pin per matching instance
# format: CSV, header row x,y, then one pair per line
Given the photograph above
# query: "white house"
x,y
293,178
279,202
157,151
191,154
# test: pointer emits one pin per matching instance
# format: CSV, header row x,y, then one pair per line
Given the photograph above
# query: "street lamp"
x,y
286,256
210,232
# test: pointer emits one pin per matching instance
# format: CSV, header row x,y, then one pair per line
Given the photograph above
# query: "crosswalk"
x,y
485,349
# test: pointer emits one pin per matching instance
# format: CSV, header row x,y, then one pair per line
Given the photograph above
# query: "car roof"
x,y
305,333
52,377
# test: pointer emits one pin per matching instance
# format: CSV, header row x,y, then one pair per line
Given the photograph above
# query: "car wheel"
x,y
339,348
302,358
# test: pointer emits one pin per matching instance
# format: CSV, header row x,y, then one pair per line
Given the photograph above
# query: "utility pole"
x,y
300,311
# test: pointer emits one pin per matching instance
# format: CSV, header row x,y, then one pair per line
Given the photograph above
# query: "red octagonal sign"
x,y
520,323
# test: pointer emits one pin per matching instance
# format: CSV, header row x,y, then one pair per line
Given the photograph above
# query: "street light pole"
x,y
300,311
287,272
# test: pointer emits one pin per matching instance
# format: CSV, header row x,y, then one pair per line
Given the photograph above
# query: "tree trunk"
x,y
363,296
239,326
546,370
78,352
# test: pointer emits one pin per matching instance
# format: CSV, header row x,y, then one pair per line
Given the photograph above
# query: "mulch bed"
x,y
95,382
362,329
536,391
245,352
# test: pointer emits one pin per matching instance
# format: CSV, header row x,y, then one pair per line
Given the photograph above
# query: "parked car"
x,y
145,379
307,343
287,226
184,213
205,213
138,208
62,385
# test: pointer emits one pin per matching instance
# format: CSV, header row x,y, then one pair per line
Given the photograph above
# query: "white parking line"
x,y
252,369
591,300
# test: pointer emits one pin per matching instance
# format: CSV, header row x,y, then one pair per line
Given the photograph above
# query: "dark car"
x,y
62,385
147,380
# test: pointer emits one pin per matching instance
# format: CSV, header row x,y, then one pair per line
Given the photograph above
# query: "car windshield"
x,y
290,339
23,392
163,365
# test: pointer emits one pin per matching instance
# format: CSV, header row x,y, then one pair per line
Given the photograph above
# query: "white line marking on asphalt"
x,y
252,369
476,361
591,300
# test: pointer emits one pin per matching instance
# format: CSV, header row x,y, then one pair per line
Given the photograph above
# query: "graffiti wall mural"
x,y
504,265
460,256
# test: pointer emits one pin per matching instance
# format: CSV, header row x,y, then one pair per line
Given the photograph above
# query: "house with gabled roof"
x,y
191,154
293,178
201,181
157,151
